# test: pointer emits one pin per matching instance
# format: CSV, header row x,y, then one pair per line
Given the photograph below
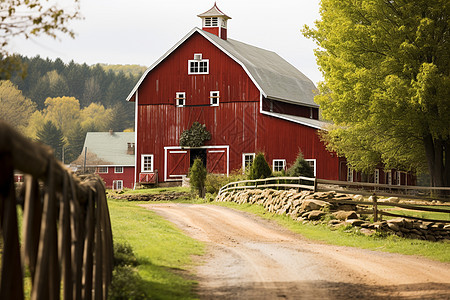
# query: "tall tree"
x,y
386,68
75,139
15,108
64,112
53,137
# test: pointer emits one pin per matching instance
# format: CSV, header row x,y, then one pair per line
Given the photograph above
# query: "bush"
x,y
197,177
214,182
195,136
260,168
300,167
126,284
124,255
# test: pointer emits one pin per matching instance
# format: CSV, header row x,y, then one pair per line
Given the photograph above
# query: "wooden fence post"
x,y
375,208
315,185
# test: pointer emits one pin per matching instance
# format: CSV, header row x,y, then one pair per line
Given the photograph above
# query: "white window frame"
x,y
399,177
244,155
102,170
211,22
350,177
389,177
117,185
376,176
145,169
198,62
277,161
118,168
180,99
214,95
313,164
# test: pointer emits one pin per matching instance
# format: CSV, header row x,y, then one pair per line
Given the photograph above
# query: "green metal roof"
x,y
108,149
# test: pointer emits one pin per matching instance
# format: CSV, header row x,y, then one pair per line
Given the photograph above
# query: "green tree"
x,y
29,18
15,108
300,167
53,137
64,112
75,139
197,177
386,68
260,168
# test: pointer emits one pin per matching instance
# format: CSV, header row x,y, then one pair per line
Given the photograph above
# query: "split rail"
x,y
368,189
66,241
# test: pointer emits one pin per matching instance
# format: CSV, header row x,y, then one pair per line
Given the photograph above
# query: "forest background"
x,y
58,103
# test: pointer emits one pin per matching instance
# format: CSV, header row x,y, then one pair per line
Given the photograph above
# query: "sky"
x,y
141,31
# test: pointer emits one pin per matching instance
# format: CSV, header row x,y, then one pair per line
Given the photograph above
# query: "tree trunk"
x,y
435,150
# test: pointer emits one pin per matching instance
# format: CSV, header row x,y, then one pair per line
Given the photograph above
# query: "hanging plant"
x,y
195,136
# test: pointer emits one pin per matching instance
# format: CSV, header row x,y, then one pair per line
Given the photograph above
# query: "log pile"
x,y
307,206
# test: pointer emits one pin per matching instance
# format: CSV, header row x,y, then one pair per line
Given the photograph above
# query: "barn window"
x,y
376,176
349,174
180,99
278,165
102,170
117,185
247,160
312,164
147,163
211,22
118,170
198,65
214,98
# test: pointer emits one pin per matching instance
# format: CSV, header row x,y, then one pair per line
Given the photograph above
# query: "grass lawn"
x,y
439,251
163,251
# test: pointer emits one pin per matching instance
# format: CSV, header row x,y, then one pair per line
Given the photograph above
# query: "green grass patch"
x,y
419,214
164,253
155,190
347,236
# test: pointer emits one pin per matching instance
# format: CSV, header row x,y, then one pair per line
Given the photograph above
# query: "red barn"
x,y
111,156
250,99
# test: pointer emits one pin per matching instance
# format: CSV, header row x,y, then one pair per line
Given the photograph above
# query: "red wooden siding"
x,y
290,109
217,161
127,177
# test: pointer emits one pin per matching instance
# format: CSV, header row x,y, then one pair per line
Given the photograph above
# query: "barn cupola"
x,y
214,21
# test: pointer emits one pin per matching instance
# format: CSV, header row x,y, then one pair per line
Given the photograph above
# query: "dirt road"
x,y
252,258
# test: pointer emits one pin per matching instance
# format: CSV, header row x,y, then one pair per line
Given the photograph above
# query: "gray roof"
x,y
104,148
300,120
275,77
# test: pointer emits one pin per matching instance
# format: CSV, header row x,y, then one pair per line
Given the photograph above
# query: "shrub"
x,y
126,284
197,177
124,255
260,168
300,167
195,136
214,182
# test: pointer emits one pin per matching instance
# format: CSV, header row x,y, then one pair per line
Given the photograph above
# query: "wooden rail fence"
x,y
374,190
66,242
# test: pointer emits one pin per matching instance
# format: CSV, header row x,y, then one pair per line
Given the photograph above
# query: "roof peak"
x,y
214,12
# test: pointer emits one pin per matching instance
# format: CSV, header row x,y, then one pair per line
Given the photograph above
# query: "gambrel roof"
x,y
275,77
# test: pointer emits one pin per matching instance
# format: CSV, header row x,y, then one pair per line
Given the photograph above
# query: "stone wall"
x,y
307,206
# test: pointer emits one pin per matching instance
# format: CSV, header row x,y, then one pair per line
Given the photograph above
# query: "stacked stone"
x,y
170,196
307,206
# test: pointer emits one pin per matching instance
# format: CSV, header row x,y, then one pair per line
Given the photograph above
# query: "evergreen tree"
x,y
75,138
53,137
197,177
260,168
300,167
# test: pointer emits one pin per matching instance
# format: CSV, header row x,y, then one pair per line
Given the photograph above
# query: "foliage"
x,y
15,108
53,137
96,117
195,136
132,70
260,168
29,18
124,255
197,176
63,112
387,83
75,139
127,284
214,182
300,167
